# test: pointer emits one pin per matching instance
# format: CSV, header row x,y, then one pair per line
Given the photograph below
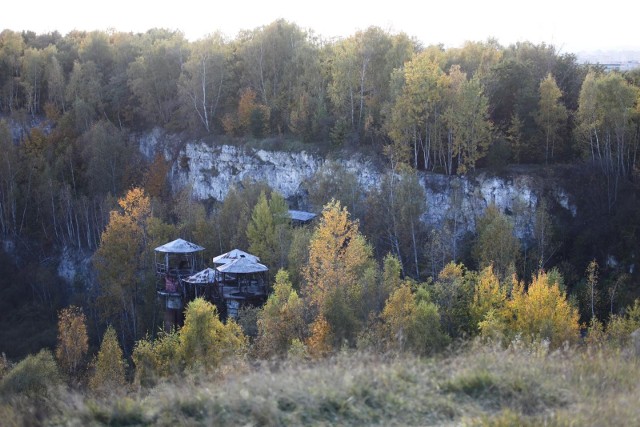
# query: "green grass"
x,y
475,385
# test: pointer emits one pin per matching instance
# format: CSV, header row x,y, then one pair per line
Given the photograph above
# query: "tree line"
x,y
443,108
341,277
345,299
78,100
73,102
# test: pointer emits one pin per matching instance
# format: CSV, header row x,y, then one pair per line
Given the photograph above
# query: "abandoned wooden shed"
x,y
299,218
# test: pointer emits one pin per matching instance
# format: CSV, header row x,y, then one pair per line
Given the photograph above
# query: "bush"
x,y
156,359
540,313
412,322
281,319
204,340
620,328
33,376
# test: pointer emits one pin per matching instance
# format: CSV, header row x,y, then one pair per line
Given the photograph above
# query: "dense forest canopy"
x,y
72,105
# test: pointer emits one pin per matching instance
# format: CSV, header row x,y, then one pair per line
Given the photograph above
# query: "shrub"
x,y
156,359
543,312
281,319
204,340
319,343
412,322
33,376
620,328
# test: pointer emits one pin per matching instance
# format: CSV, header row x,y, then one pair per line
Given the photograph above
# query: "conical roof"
x,y
179,246
205,276
242,266
234,255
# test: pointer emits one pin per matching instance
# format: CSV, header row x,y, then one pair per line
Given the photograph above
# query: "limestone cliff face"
x,y
211,170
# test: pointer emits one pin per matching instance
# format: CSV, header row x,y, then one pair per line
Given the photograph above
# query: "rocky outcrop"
x,y
212,170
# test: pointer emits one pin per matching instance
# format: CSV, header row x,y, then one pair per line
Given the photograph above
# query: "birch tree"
x,y
418,112
551,115
467,117
607,105
202,82
119,262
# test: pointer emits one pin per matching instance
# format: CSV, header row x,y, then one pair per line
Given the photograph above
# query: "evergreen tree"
x,y
109,374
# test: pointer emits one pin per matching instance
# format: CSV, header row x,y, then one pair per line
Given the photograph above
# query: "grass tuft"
x,y
478,385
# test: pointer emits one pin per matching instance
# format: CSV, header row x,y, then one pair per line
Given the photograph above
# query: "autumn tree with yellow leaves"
x,y
120,262
73,341
339,258
538,312
488,295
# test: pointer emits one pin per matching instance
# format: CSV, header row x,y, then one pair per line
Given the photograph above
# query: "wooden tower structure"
x,y
175,261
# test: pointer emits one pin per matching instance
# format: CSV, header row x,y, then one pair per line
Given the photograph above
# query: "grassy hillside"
x,y
475,385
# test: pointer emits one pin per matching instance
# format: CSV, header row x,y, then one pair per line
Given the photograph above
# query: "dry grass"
x,y
475,385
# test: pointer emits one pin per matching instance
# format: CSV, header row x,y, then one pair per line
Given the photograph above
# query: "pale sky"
x,y
571,26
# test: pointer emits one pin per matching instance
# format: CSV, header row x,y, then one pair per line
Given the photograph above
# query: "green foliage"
x,y
298,255
109,365
205,342
156,359
412,322
153,76
34,376
391,273
108,157
202,82
606,106
620,327
233,216
595,333
552,114
268,232
248,320
467,118
496,243
333,182
281,320
453,293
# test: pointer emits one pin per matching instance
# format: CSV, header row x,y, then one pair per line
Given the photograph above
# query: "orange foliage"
x,y
73,341
155,180
319,343
338,254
